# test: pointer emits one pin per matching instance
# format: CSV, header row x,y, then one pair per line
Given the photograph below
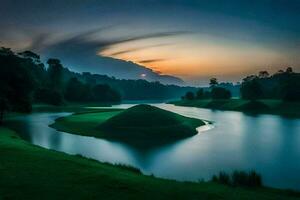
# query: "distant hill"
x,y
132,89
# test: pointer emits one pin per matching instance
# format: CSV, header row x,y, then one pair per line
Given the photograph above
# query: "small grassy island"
x,y
149,122
142,123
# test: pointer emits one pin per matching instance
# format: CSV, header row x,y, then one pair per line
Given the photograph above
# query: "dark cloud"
x,y
137,49
85,40
150,61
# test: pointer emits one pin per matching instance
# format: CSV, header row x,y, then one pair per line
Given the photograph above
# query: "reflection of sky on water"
x,y
269,144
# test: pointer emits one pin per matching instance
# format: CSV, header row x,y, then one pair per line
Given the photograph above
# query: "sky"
x,y
190,39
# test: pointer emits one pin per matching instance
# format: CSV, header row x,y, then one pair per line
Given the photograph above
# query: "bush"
x,y
220,93
189,96
254,179
222,178
239,178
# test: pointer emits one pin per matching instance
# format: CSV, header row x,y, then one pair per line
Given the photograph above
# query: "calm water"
x,y
269,144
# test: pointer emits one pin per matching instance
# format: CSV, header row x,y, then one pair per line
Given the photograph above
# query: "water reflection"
x,y
269,144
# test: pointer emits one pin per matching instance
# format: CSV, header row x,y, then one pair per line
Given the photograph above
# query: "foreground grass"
x,y
31,172
266,106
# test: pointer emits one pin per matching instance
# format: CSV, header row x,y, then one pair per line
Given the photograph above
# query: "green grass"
x,y
141,126
149,122
31,172
67,108
85,123
267,106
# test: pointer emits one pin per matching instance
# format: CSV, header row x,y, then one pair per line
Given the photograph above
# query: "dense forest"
x,y
283,85
132,89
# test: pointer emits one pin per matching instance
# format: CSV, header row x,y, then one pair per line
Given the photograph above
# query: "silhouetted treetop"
x,y
213,82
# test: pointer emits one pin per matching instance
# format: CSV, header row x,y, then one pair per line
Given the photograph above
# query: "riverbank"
x,y
31,172
265,106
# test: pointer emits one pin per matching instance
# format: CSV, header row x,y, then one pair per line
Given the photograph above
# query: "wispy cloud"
x,y
85,40
148,36
151,61
137,49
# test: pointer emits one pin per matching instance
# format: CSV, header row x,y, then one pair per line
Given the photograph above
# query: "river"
x,y
269,144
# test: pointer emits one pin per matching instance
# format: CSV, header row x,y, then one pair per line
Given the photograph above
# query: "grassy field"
x,y
141,126
261,106
31,172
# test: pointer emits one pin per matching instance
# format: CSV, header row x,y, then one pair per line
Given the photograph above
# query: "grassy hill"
x,y
149,122
141,126
31,172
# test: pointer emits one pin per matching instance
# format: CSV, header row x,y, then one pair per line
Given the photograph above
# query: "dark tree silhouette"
x,y
77,91
16,84
263,74
48,96
251,89
289,70
30,55
213,82
55,70
220,93
200,94
189,96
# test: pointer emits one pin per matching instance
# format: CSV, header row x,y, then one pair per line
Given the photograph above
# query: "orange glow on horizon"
x,y
191,59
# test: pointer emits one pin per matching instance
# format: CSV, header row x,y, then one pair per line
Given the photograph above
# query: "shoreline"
x,y
78,178
265,106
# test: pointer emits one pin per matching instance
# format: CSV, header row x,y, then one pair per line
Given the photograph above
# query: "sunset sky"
x,y
190,39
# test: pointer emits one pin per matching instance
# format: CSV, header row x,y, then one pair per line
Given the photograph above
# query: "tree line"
x,y
214,92
284,85
24,80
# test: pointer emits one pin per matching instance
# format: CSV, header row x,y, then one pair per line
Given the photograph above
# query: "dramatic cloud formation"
x,y
80,53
